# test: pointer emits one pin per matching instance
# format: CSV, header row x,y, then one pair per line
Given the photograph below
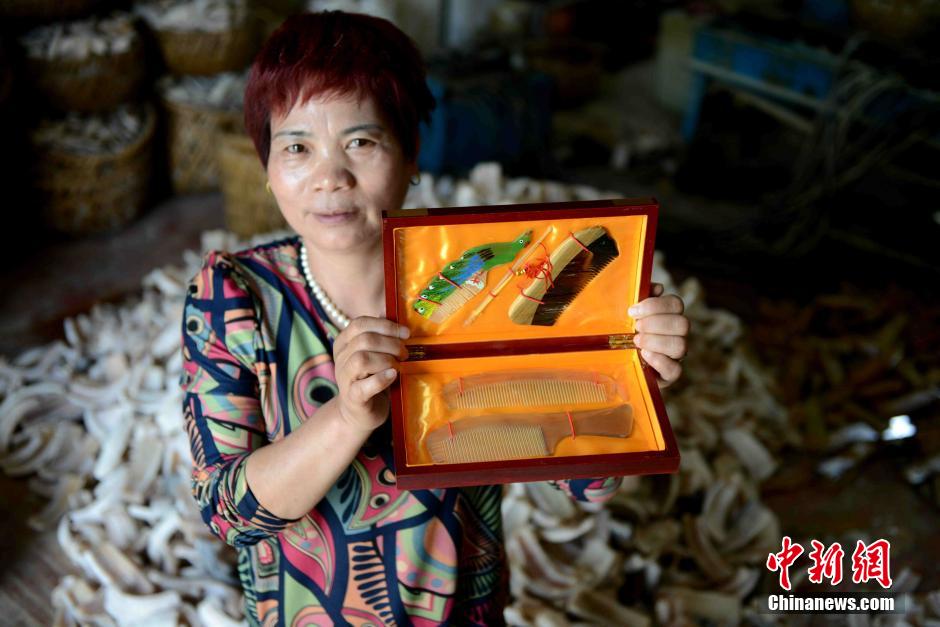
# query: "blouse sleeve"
x,y
221,404
590,490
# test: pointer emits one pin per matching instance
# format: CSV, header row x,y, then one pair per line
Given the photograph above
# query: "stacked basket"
x,y
93,146
206,46
198,111
249,208
94,170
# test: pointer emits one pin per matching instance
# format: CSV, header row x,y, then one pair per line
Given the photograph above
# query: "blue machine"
x,y
504,117
789,73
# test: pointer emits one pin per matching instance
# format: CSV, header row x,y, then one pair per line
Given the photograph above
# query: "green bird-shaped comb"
x,y
463,278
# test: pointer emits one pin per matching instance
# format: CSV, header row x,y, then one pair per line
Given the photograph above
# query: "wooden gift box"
x,y
592,334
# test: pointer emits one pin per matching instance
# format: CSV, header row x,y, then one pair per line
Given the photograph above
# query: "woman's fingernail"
x,y
404,332
633,310
390,373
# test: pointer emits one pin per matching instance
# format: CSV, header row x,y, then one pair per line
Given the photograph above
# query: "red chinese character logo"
x,y
783,560
826,565
872,562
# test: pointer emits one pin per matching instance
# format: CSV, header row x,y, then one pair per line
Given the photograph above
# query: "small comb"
x,y
499,437
454,301
529,388
574,264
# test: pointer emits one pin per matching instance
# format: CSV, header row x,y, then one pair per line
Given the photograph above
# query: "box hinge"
x,y
416,352
621,340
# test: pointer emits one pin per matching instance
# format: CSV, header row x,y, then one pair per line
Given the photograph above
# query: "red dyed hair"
x,y
337,53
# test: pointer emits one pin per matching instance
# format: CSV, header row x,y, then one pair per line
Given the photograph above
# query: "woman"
x,y
288,358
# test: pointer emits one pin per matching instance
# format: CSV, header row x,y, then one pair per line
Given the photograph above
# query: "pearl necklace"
x,y
327,304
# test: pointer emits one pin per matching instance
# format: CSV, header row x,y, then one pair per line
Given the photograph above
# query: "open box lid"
x,y
422,245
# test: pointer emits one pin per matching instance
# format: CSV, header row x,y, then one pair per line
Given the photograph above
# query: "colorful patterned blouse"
x,y
257,352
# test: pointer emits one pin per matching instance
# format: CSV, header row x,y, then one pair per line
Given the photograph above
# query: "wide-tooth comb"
x,y
573,268
529,388
498,437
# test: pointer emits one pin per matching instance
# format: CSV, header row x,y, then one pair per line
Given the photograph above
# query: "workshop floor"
x,y
62,277
58,278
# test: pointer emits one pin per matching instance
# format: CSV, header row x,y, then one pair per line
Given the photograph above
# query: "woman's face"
x,y
334,166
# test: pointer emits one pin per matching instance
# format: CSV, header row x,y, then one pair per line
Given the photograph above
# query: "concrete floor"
x,y
64,276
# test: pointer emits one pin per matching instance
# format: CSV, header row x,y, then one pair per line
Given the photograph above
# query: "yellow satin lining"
x,y
425,409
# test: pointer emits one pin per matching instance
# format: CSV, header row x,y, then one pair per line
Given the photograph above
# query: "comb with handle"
x,y
498,437
573,264
530,388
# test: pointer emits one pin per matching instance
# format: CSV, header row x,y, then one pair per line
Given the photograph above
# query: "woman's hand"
x,y
661,333
367,354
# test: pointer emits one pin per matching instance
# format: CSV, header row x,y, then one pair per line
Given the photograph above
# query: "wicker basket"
x,y
47,9
98,83
192,135
203,52
249,207
86,194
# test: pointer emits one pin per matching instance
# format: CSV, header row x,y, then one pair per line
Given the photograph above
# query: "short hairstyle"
x,y
336,53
